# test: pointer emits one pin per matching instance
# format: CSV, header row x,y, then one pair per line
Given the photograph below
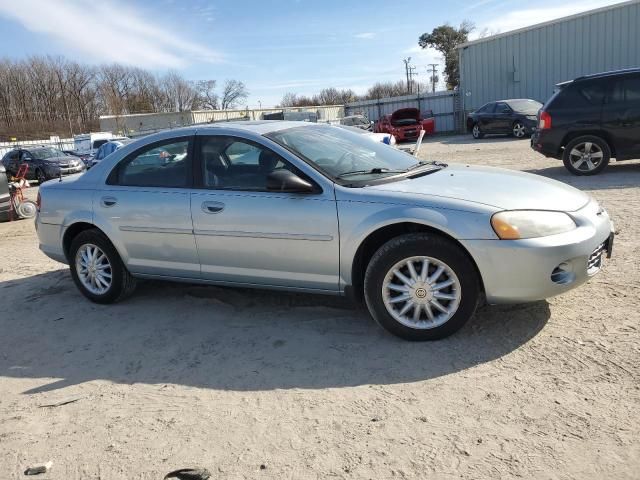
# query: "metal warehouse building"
x,y
529,62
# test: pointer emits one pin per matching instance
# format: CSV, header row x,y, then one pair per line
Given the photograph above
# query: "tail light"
x,y
38,202
545,121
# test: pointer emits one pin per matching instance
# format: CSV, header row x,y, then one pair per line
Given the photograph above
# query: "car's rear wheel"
x,y
97,269
476,132
421,287
587,155
518,130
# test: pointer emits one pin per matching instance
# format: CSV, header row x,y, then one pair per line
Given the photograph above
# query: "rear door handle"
x,y
212,207
108,201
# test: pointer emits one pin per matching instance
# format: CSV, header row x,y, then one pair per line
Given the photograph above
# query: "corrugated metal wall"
x,y
529,63
441,103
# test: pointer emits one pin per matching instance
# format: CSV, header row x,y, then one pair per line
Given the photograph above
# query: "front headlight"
x,y
518,224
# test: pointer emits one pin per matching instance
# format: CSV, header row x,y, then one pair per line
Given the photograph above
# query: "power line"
x,y
434,75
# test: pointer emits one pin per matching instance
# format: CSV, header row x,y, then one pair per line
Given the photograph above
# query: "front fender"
x,y
359,220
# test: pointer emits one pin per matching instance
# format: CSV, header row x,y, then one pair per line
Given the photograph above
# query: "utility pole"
x,y
406,71
434,77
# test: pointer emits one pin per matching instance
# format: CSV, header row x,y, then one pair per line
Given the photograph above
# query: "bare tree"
x,y
233,93
208,98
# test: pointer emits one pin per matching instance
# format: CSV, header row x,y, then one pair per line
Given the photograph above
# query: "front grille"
x,y
594,263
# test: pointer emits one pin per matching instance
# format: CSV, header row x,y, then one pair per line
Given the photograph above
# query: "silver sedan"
x,y
316,208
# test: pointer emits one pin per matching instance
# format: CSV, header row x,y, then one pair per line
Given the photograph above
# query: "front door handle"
x,y
212,207
108,201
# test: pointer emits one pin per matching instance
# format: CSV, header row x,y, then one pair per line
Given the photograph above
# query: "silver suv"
x,y
317,208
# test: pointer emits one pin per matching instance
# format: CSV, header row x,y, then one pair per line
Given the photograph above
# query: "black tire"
x,y
476,132
580,144
518,129
436,247
41,177
122,284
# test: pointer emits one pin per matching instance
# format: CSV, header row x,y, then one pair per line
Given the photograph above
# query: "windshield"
x,y
338,152
528,107
44,153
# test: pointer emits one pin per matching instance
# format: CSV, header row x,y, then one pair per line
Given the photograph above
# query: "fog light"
x,y
563,274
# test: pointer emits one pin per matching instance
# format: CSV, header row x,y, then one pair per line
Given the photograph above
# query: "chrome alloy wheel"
x,y
519,130
585,156
93,269
476,131
421,292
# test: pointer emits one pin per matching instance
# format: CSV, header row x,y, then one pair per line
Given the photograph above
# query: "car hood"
x,y
405,113
495,187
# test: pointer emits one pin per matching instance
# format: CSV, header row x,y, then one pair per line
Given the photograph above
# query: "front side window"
x,y
237,164
344,155
488,108
502,108
157,165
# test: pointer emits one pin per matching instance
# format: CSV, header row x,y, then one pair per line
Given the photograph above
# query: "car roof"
x,y
610,73
261,127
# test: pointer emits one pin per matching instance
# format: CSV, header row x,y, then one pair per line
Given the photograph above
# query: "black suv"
x,y
591,119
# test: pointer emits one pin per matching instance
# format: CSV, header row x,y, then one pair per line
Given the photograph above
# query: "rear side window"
x,y
165,164
581,95
99,143
625,89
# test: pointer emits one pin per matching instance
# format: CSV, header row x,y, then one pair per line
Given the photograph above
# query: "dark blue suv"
x,y
591,119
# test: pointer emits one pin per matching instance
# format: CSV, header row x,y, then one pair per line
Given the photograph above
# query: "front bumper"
x,y
515,271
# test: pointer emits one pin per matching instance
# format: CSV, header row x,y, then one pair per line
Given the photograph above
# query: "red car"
x,y
405,124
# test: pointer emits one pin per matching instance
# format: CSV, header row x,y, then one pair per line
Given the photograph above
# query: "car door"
x,y
248,235
502,118
28,158
621,116
145,202
485,118
11,164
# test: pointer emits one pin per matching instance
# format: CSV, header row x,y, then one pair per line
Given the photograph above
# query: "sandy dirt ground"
x,y
253,384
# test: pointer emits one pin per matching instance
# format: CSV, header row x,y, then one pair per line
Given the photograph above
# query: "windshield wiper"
x,y
423,163
372,171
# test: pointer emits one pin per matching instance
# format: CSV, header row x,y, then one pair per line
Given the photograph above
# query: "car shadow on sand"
x,y
227,338
617,175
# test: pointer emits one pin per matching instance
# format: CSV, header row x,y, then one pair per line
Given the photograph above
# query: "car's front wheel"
x,y
587,155
40,176
518,130
421,287
97,269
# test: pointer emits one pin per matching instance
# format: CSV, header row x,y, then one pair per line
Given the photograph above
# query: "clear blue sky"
x,y
273,46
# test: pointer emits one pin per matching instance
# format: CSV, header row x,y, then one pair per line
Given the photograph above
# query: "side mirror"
x,y
285,181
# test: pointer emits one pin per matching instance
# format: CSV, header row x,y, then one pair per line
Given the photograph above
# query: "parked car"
x,y
5,197
316,208
357,121
591,119
517,117
88,143
428,122
85,157
44,163
107,149
403,124
385,138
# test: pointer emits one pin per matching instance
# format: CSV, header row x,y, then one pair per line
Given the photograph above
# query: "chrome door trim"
x,y
274,235
185,231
